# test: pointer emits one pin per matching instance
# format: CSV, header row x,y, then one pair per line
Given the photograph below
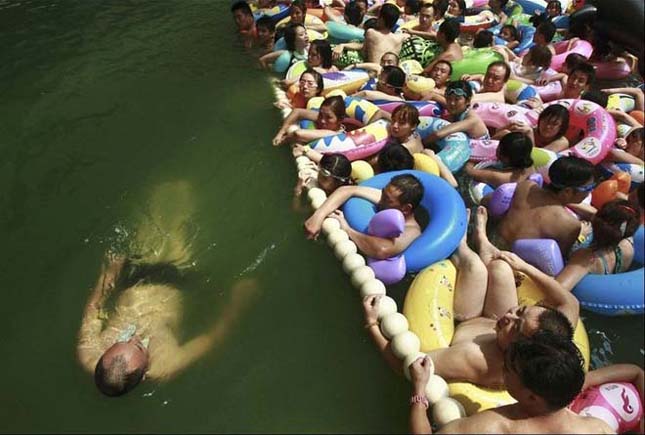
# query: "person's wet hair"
x,y
266,22
586,69
412,7
243,6
549,365
389,14
394,157
547,30
323,48
290,35
406,113
515,34
394,76
595,96
300,5
337,105
370,24
114,379
540,56
554,2
483,38
556,112
450,29
515,148
459,85
445,62
440,7
411,189
462,6
353,14
338,166
553,321
573,60
614,221
570,171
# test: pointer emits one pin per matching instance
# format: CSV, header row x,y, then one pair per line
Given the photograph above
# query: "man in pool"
x,y
493,83
243,17
486,304
544,373
139,338
547,213
403,192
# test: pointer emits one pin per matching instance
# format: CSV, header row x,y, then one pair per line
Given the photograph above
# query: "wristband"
x,y
369,325
417,398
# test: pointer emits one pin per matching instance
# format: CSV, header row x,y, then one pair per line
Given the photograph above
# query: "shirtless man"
x,y
446,37
424,28
140,338
440,73
379,40
542,213
243,17
403,192
544,373
493,82
486,304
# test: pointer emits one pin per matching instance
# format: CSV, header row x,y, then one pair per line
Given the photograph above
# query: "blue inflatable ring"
x,y
617,294
445,208
526,37
455,148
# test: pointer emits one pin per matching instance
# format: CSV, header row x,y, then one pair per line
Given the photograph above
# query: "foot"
x,y
487,251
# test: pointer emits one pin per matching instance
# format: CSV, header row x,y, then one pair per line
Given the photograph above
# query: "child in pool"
x,y
511,35
544,34
553,123
497,7
570,62
531,67
579,81
458,95
327,121
334,171
483,39
388,87
514,153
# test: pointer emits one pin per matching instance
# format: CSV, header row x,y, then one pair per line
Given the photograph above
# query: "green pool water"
x,y
103,104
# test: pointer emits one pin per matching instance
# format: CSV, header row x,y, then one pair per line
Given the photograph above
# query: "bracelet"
x,y
369,325
417,398
305,150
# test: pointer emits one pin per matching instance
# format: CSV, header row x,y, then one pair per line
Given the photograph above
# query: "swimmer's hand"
x,y
519,127
513,260
112,267
542,81
420,373
533,103
313,226
243,292
279,138
621,143
370,308
340,217
337,52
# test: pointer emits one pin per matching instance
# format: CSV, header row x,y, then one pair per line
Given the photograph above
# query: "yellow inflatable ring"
x,y
428,307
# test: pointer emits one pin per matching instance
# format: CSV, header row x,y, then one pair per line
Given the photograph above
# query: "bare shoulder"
x,y
490,421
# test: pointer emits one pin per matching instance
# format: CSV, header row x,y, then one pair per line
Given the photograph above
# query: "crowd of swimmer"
x,y
528,350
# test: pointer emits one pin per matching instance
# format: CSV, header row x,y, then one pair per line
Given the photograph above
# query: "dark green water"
x,y
102,103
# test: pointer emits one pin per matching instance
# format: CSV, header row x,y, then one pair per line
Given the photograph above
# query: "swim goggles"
x,y
583,189
326,173
458,92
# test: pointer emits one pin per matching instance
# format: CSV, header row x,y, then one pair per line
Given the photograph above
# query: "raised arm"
x,y
577,268
489,176
617,373
293,117
420,375
554,293
639,98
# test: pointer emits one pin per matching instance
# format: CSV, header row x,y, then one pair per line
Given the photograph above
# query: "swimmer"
x,y
446,37
327,120
549,134
511,35
493,83
629,149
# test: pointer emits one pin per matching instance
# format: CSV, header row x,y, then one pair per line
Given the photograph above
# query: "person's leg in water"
x,y
502,293
164,233
472,278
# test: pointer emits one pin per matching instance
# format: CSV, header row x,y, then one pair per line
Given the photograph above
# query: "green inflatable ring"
x,y
475,61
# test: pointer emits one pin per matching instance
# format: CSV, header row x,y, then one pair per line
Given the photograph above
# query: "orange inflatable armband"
x,y
624,181
603,193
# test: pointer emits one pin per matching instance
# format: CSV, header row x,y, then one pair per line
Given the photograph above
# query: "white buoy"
x,y
393,324
407,362
344,248
302,160
317,203
329,225
447,410
405,343
412,357
436,389
386,306
372,287
353,262
361,275
316,192
292,128
336,236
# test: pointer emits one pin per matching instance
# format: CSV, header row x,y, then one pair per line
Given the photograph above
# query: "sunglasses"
x,y
326,173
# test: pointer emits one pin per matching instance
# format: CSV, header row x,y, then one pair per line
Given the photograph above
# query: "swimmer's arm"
x,y
622,156
455,127
577,268
555,294
447,56
421,34
293,117
434,96
306,135
268,58
511,45
639,97
444,172
558,145
369,66
585,211
385,348
488,176
623,118
381,114
377,95
332,15
489,419
178,357
491,97
340,48
379,247
617,373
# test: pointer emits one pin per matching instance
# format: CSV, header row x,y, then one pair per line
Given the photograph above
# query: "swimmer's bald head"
x,y
121,368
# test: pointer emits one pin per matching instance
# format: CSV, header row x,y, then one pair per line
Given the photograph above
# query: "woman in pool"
x,y
318,58
310,85
297,42
553,123
328,121
334,171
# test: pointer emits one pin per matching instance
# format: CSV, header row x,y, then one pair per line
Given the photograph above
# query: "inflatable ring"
x,y
636,172
622,102
526,37
276,13
412,67
478,190
455,148
428,308
580,46
310,20
358,110
419,49
628,299
418,84
340,32
532,6
447,218
357,144
518,91
425,108
346,81
475,61
612,70
550,91
472,23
